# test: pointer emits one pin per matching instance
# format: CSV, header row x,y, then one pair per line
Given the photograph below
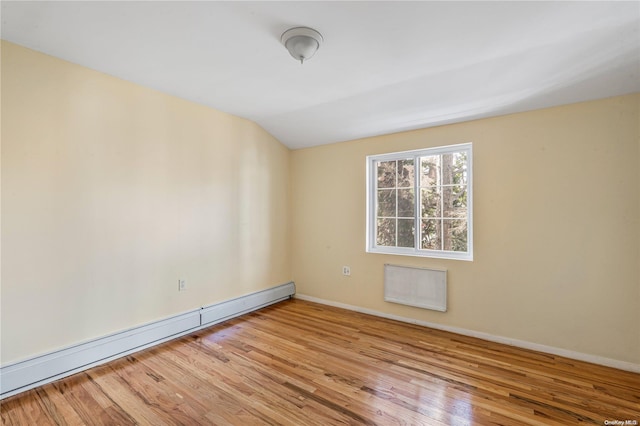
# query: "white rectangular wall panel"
x,y
420,287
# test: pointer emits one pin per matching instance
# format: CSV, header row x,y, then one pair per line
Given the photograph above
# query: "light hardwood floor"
x,y
300,363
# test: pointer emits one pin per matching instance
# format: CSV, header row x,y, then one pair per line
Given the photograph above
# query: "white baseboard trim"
x,y
24,375
594,359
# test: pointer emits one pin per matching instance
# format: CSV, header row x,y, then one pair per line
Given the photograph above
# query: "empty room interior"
x,y
319,213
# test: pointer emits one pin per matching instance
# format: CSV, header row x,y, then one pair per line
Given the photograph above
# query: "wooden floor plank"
x,y
300,363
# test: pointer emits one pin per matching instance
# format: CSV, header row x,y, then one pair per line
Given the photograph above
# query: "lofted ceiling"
x,y
384,66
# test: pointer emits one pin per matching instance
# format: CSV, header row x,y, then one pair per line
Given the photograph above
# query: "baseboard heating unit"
x,y
24,375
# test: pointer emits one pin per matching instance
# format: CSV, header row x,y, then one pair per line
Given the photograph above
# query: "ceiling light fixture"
x,y
301,42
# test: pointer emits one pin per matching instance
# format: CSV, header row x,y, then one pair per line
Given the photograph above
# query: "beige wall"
x,y
556,227
111,192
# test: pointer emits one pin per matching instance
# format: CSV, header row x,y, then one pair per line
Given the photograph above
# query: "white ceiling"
x,y
384,66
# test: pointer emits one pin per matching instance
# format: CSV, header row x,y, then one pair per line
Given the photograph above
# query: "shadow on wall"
x,y
255,192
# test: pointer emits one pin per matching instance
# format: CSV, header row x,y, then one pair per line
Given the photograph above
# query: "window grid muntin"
x,y
396,188
439,187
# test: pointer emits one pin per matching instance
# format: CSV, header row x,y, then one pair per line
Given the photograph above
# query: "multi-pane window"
x,y
419,203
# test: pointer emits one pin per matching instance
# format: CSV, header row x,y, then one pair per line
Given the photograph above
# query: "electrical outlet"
x,y
182,285
346,271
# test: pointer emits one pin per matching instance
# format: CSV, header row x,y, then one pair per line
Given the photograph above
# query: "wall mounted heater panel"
x,y
420,287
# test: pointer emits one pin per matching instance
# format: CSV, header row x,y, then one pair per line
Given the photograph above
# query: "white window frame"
x,y
372,186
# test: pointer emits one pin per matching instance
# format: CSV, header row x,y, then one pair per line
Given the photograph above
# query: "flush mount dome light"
x,y
301,42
